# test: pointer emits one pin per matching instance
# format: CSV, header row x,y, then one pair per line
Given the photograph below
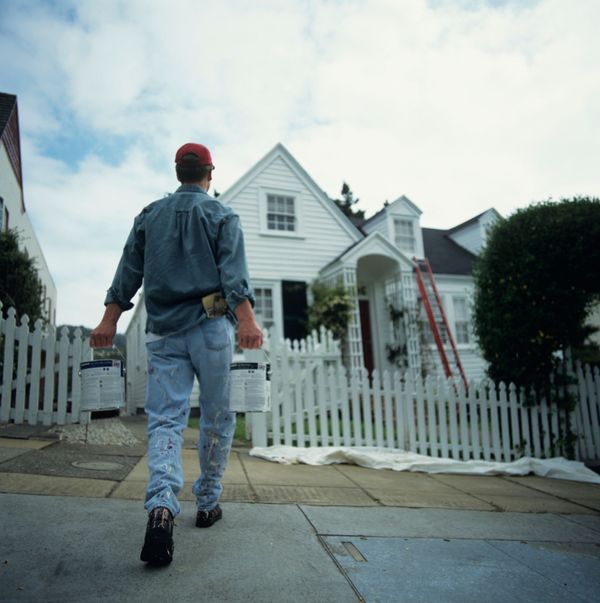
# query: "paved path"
x,y
291,533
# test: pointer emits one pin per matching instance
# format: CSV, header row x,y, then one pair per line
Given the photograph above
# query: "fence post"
x,y
23,337
34,386
7,373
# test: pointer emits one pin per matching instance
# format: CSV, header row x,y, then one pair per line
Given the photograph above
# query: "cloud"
x,y
459,105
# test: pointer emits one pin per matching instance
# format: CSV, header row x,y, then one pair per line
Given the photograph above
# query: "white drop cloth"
x,y
401,460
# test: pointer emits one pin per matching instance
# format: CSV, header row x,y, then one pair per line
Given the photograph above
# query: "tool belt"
x,y
214,304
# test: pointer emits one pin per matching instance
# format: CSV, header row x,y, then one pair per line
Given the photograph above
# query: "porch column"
x,y
354,346
410,301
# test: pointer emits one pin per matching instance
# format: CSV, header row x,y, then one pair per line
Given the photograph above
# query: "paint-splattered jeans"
x,y
205,351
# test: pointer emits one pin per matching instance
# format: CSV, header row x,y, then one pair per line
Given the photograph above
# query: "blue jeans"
x,y
206,351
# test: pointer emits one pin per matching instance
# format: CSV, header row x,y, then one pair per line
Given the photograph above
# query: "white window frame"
x,y
413,237
429,338
298,214
466,321
275,287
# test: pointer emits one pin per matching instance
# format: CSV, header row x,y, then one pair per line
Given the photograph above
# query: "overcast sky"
x,y
460,105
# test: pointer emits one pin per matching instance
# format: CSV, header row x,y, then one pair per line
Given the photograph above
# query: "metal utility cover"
x,y
419,569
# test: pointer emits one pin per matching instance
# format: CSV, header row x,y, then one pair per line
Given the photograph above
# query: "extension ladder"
x,y
429,294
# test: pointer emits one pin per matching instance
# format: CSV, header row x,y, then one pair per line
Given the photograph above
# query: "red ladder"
x,y
422,267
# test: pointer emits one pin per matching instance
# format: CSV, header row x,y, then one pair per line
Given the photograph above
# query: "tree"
x,y
535,282
331,308
20,285
347,201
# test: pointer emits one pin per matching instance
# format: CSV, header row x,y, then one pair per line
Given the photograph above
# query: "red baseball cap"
x,y
193,148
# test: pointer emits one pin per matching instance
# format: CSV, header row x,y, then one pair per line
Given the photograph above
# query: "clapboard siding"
x,y
378,224
469,237
450,287
19,220
282,257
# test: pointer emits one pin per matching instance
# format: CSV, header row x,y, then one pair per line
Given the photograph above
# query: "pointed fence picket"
x,y
40,374
317,402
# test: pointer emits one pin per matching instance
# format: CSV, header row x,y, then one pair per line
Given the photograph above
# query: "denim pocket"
x,y
156,346
216,333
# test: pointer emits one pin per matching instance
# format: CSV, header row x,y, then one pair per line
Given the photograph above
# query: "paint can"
x,y
102,385
250,387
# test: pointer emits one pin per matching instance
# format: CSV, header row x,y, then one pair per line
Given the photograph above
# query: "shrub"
x,y
535,283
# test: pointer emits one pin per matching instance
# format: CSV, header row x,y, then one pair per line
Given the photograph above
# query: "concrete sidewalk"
x,y
45,466
290,533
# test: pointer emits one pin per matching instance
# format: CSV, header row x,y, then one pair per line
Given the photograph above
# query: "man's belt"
x,y
214,304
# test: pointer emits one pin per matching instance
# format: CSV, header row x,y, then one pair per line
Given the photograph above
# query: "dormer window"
x,y
281,213
404,235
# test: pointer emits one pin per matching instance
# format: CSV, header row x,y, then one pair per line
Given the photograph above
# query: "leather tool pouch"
x,y
214,305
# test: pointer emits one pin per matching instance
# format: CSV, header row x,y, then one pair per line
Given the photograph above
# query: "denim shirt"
x,y
183,247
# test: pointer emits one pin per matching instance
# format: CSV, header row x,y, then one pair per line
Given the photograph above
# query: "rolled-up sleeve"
x,y
130,271
231,262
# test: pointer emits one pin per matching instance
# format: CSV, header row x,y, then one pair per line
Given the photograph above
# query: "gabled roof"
x,y
472,220
280,151
444,255
7,104
372,243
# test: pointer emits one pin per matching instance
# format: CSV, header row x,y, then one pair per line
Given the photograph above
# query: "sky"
x,y
460,105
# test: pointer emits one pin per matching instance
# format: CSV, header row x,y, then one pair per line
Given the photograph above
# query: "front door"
x,y
293,297
365,331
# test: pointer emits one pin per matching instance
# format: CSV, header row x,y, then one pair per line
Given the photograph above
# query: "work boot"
x,y
158,543
205,519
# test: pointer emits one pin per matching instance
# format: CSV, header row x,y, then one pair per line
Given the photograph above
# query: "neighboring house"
x,y
295,234
13,213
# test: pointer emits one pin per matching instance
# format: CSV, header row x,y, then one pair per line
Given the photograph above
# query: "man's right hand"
x,y
250,336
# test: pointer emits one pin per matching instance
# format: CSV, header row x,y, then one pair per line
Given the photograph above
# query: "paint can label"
x,y
250,387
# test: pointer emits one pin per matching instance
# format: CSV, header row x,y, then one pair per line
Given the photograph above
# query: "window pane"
x,y
281,213
404,235
462,332
264,306
460,308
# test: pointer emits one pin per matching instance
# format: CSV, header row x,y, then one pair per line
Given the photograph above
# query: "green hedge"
x,y
535,282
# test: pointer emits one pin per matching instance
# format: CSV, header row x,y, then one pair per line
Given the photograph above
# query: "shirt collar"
x,y
190,188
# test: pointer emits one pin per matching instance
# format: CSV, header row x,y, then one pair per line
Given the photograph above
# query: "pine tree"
x,y
347,201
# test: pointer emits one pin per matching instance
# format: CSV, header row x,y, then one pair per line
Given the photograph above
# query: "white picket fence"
x,y
317,402
40,373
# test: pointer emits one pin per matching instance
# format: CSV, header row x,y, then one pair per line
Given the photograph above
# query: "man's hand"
x,y
102,336
250,336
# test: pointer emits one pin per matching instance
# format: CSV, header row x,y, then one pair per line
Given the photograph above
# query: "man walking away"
x,y
188,250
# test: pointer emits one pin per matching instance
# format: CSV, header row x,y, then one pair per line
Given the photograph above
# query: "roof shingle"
x,y
444,255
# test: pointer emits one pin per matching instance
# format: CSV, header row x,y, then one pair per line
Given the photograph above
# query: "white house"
x,y
295,234
13,213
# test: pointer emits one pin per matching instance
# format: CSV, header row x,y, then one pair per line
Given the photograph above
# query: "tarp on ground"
x,y
401,460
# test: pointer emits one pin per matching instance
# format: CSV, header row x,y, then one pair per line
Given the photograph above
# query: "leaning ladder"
x,y
428,292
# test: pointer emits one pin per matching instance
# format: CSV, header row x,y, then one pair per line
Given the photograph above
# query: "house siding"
x,y
449,287
280,257
11,192
379,224
468,237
